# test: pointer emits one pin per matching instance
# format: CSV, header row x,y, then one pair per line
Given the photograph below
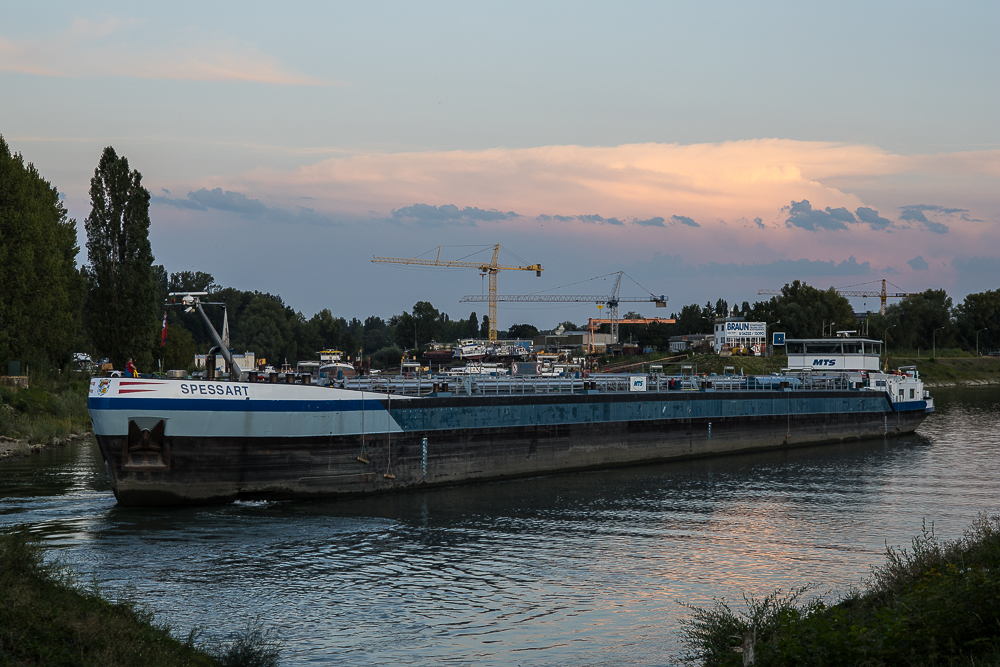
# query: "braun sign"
x,y
745,329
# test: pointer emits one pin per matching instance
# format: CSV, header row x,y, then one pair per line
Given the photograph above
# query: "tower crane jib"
x,y
492,269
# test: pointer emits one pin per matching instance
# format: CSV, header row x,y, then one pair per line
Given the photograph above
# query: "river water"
x,y
587,568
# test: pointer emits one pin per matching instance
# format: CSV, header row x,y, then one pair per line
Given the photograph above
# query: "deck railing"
x,y
483,385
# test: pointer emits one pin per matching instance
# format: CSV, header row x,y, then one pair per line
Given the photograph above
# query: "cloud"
x,y
918,263
121,47
655,221
916,213
247,208
801,214
598,220
237,202
684,220
759,223
788,269
872,217
449,213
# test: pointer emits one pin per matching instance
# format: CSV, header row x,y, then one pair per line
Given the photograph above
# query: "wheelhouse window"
x,y
822,348
794,348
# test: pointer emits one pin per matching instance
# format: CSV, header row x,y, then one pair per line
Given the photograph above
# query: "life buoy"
x,y
538,367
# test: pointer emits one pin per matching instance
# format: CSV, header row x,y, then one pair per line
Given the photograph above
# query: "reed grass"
x,y
932,604
47,618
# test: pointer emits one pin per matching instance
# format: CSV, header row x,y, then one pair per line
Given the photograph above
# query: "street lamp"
x,y
977,339
767,327
934,342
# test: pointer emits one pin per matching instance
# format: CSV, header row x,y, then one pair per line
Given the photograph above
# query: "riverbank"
x,y
952,371
933,604
14,448
47,619
49,413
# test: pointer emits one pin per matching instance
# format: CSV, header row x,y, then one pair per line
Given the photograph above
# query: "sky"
x,y
705,149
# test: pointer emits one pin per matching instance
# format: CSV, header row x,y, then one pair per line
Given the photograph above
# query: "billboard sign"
x,y
746,329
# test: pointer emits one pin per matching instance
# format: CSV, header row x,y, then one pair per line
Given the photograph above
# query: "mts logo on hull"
x,y
824,362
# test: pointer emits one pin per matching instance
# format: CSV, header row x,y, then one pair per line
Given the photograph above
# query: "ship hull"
x,y
268,450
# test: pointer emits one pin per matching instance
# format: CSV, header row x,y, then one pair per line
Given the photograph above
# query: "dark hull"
x,y
471,439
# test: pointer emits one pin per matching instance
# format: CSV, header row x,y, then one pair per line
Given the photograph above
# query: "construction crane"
x,y
610,300
492,269
883,295
594,323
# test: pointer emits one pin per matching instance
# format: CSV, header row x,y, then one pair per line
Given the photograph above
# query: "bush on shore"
x,y
49,409
46,619
934,604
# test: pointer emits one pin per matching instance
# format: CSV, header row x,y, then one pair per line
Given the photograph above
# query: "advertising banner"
x,y
745,329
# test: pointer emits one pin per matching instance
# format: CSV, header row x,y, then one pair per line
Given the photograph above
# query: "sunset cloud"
x,y
773,209
119,47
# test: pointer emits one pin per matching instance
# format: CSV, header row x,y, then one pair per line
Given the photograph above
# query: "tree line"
x,y
114,304
921,322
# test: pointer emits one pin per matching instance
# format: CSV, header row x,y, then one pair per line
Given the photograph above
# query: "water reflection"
x,y
556,570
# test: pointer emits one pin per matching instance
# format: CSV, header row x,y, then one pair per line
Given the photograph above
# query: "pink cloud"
x,y
820,201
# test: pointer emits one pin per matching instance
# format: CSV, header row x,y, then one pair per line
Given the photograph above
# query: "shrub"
x,y
931,604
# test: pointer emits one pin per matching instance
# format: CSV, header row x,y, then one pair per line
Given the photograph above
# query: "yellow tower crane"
x,y
883,295
491,269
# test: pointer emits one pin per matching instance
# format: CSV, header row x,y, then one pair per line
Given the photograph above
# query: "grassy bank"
x,y
45,619
51,408
934,604
943,371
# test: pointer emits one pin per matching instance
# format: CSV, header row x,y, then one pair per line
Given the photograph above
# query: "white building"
x,y
735,332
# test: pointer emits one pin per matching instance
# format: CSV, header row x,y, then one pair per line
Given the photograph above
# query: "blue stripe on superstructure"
x,y
229,405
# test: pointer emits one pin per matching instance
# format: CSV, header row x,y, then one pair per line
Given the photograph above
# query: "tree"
x,y
804,310
180,349
121,292
979,311
428,322
694,320
40,287
922,321
522,331
192,281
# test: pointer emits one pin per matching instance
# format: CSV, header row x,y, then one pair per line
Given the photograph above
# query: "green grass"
x,y
47,619
950,369
933,604
49,409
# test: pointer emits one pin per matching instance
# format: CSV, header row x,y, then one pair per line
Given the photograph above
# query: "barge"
x,y
176,442
182,441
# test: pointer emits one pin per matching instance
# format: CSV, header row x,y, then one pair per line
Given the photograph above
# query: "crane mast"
x,y
883,295
492,269
610,300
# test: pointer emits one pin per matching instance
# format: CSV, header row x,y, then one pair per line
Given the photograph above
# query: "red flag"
x,y
163,334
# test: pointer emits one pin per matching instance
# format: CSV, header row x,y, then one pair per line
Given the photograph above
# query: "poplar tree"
x,y
122,307
40,287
